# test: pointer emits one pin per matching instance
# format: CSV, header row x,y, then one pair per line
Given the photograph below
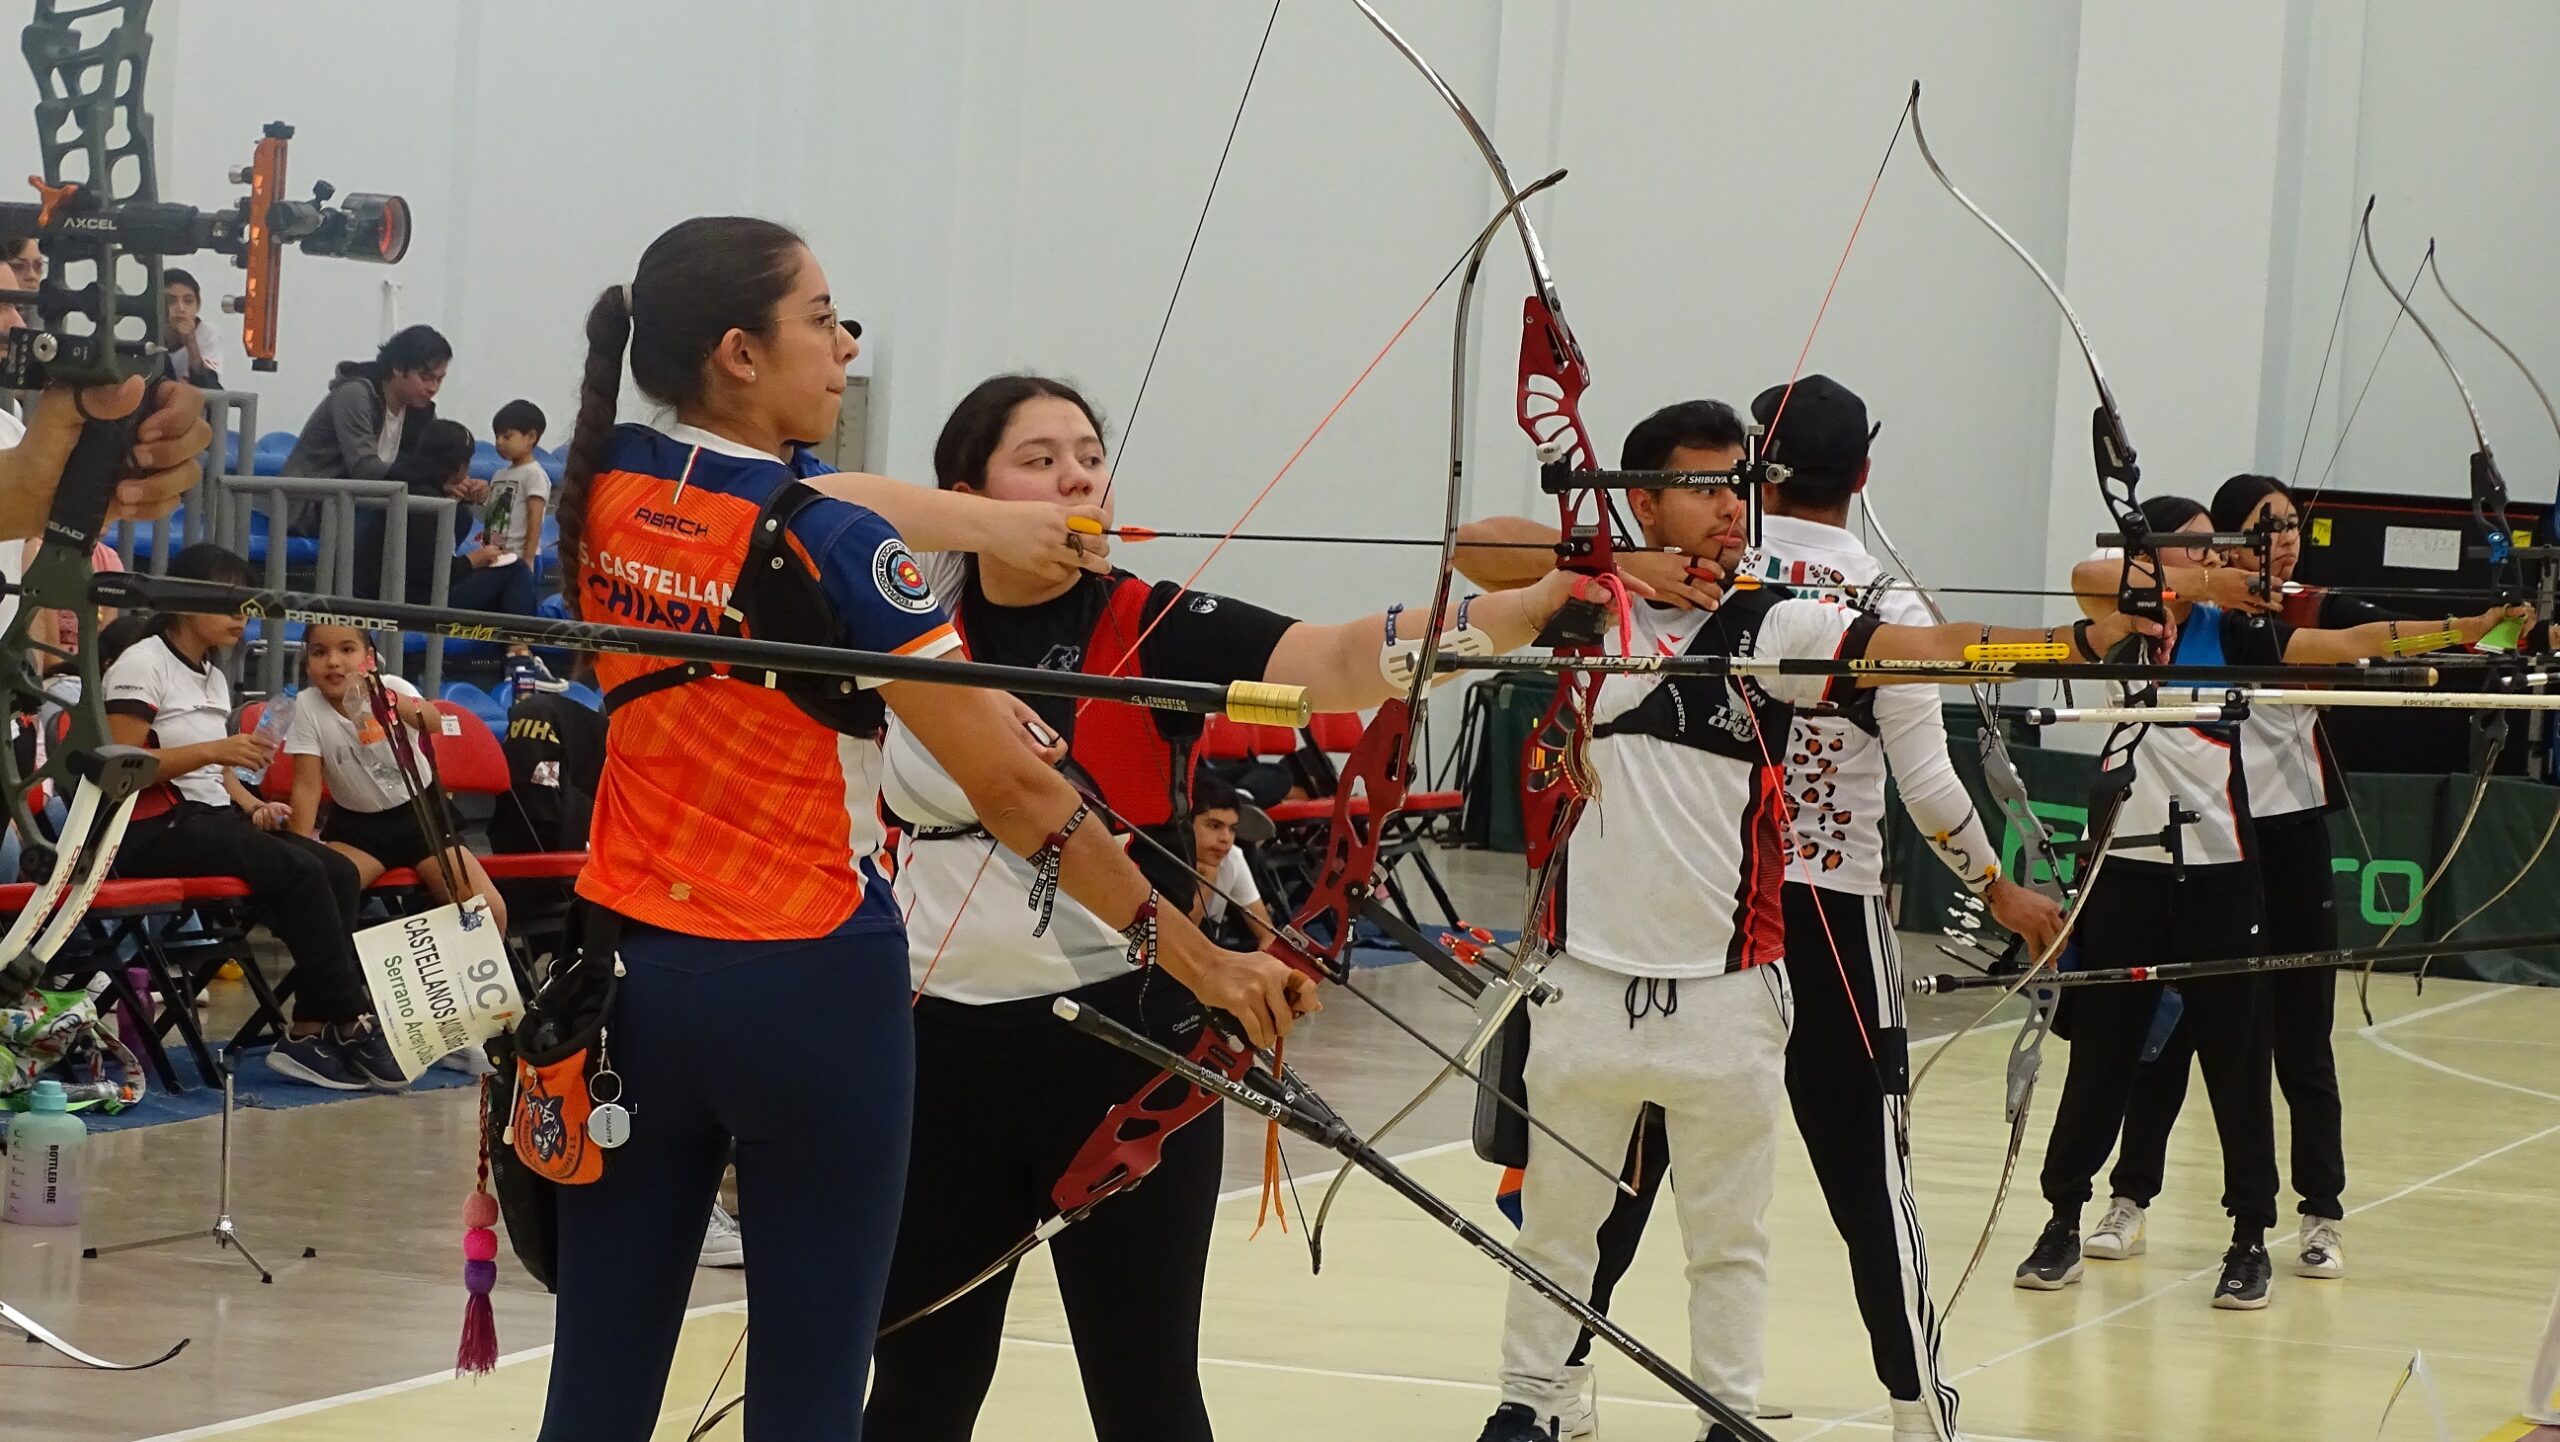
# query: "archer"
x,y
1673,922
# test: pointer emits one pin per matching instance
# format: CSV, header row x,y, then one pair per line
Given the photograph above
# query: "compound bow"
x,y
102,224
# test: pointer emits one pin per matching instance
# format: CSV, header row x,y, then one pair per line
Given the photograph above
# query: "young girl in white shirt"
x,y
370,819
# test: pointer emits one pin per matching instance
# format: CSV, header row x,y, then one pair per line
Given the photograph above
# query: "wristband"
x,y
1141,932
2080,639
1045,864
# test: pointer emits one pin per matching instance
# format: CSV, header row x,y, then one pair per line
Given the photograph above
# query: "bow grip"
x,y
1130,1141
58,577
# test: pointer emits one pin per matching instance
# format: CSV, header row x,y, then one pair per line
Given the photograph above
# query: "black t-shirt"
x,y
555,757
1202,637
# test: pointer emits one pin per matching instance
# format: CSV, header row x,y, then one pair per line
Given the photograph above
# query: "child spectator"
x,y
195,346
166,694
519,494
370,820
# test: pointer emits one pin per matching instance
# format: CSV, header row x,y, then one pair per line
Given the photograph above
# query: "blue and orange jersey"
x,y
724,810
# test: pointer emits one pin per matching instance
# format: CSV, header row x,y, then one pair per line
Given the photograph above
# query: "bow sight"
x,y
98,208
97,319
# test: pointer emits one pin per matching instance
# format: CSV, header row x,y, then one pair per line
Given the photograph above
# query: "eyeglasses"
x,y
826,316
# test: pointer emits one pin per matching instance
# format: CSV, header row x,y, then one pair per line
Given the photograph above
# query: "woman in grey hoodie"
x,y
374,412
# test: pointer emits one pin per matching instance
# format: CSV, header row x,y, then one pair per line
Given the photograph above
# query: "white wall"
x,y
1008,183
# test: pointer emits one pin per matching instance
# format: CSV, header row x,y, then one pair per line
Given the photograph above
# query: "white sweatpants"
x,y
1717,1066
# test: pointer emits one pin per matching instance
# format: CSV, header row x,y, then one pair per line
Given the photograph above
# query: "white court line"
x,y
2161,1291
2494,989
387,1389
323,1404
1447,1383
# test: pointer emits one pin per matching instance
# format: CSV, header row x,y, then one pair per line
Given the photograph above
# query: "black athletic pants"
x,y
2301,910
2141,915
1005,1095
1853,1114
798,1053
306,893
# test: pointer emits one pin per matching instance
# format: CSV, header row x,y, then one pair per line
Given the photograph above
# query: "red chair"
x,y
473,763
1332,735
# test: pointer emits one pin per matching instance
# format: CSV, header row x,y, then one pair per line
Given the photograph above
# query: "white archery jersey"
x,y
2200,770
1837,764
1675,867
2280,749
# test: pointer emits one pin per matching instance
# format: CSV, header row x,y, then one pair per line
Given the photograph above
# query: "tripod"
x,y
224,1233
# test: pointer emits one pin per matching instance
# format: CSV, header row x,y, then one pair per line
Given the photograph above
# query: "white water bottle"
x,y
47,1152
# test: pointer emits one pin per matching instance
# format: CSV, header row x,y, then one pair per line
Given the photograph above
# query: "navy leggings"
x,y
803,1054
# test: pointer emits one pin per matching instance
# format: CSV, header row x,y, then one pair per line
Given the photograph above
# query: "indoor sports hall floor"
x,y
2453,1132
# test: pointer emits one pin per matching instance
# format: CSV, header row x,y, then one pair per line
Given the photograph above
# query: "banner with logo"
x,y
2385,850
440,980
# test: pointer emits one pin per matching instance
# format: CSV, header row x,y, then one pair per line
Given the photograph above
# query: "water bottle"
x,y
45,1162
272,724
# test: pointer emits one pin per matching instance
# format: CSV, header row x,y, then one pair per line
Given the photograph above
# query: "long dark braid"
x,y
599,398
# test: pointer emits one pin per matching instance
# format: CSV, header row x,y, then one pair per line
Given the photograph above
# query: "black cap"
x,y
1823,430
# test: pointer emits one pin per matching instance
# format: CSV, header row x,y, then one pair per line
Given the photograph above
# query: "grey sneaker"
x,y
2119,1234
369,1056
315,1060
722,1243
2324,1249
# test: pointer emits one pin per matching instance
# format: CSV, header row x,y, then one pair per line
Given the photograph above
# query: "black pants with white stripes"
x,y
2301,915
1848,1079
2144,916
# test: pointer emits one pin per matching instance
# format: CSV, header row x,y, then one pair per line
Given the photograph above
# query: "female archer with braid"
x,y
988,1151
735,826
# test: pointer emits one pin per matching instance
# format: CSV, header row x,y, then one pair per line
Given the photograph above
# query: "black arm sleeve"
x,y
1196,636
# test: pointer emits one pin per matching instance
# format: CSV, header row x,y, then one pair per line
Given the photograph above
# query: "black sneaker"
x,y
1517,1422
369,1056
315,1060
2245,1274
2055,1263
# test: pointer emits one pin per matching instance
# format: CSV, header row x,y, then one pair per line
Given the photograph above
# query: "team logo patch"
x,y
900,579
1203,605
1063,657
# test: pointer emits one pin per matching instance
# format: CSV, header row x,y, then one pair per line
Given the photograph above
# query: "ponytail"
x,y
599,393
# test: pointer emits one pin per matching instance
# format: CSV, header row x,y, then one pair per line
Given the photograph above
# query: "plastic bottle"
x,y
46,1146
273,722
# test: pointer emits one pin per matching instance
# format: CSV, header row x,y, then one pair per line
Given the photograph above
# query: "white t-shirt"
x,y
1235,879
185,704
2203,770
207,345
2280,750
362,770
1675,868
971,939
1835,764
510,492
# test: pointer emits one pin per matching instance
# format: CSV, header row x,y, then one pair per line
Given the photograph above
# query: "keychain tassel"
x,y
478,1353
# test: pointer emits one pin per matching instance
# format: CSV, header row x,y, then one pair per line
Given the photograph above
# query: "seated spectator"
x,y
1226,875
195,345
374,411
58,628
484,578
168,695
370,819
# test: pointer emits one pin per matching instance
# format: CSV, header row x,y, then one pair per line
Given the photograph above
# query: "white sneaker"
x,y
1912,1423
2324,1249
1579,1414
722,1244
471,1061
2119,1234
